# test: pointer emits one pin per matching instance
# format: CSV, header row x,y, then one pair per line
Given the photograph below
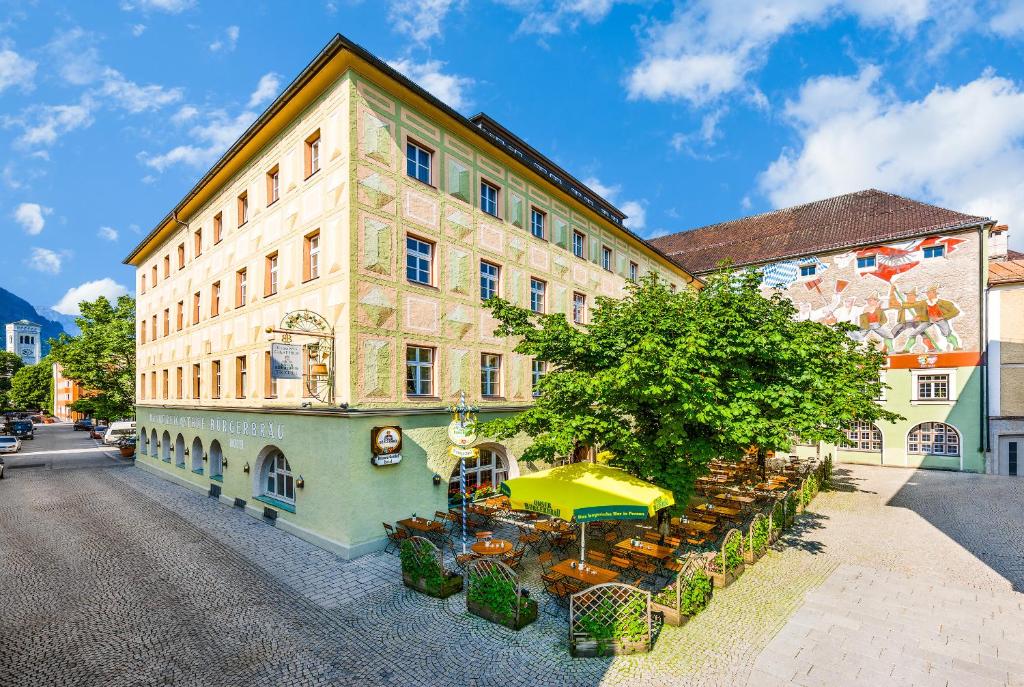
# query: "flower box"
x,y
584,646
526,616
724,579
452,584
127,451
750,557
672,616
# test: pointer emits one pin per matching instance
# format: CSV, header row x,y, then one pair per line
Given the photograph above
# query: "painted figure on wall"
x,y
910,318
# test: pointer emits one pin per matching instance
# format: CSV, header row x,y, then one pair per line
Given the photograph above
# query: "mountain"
x,y
66,321
13,308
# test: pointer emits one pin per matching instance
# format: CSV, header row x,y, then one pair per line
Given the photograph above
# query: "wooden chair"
x,y
597,557
464,559
643,564
546,561
514,558
395,537
530,537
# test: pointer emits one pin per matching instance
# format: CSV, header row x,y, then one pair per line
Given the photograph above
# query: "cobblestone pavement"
x,y
116,577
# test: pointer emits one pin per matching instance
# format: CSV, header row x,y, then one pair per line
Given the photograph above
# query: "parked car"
x,y
98,431
23,429
1,467
118,430
9,444
83,424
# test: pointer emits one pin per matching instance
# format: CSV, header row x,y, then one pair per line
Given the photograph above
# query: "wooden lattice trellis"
x,y
487,579
754,524
610,618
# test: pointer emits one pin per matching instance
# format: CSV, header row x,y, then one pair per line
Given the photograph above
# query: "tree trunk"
x,y
762,462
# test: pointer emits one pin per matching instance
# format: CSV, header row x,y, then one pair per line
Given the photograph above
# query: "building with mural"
x,y
911,277
25,339
324,280
1006,366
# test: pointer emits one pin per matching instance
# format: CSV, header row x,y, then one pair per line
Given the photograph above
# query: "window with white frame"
x,y
278,481
419,371
488,280
537,223
489,198
418,259
578,240
579,308
808,270
934,439
538,289
866,262
934,251
486,471
933,387
606,258
490,374
538,370
863,436
634,271
417,162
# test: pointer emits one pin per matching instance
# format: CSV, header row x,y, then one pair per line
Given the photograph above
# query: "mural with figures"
x,y
911,297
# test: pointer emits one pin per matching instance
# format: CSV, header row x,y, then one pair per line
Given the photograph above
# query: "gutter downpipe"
x,y
983,297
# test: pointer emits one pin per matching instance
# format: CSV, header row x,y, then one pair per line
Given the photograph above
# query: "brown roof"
x,y
854,219
1006,272
1014,254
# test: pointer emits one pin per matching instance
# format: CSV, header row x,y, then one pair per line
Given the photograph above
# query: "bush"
x,y
696,594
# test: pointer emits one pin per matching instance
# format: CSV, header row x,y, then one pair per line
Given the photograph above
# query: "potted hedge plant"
x,y
687,596
422,570
792,501
727,565
493,595
610,630
778,520
757,539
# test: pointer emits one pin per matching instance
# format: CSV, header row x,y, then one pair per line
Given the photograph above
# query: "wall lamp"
x,y
186,452
245,468
437,480
300,483
206,457
224,461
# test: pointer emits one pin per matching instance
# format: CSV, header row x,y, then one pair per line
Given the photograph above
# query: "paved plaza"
x,y
115,577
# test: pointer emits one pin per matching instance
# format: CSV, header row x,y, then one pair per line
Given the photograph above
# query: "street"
x,y
113,576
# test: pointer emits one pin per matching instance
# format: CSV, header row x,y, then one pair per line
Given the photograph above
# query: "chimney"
x,y
997,242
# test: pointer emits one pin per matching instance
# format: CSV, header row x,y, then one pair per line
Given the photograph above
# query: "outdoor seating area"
x,y
726,525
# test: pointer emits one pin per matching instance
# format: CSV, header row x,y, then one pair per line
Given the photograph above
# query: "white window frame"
x,y
634,271
537,223
931,429
538,368
864,268
490,282
941,248
489,463
276,467
855,434
490,375
417,377
538,295
417,165
414,252
915,376
314,256
579,315
606,258
581,244
497,198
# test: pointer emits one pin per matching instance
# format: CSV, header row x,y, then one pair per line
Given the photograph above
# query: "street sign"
x,y
285,361
457,452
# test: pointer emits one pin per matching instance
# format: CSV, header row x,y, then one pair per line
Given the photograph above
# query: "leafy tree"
x,y
667,381
32,387
10,363
102,357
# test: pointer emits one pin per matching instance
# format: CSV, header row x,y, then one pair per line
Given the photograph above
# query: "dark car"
x,y
98,431
84,423
23,429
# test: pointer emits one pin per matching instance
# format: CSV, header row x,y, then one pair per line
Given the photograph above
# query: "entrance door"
x,y
1011,456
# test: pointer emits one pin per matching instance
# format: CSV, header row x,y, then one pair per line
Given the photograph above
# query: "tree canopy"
x,y
102,357
10,363
667,381
32,387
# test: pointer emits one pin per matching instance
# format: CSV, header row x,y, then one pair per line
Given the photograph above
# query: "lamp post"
x,y
462,433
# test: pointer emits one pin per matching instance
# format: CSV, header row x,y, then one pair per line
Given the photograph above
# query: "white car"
x,y
10,444
118,430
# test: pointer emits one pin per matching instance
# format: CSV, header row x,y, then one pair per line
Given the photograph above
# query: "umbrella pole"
x,y
583,540
462,488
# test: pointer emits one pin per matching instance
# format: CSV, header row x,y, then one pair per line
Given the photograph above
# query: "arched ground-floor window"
x,y
179,451
274,476
934,439
143,447
863,436
197,455
216,460
165,446
483,475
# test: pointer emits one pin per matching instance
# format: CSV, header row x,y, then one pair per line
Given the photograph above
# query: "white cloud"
x,y
31,217
962,147
184,114
15,70
108,233
133,97
635,210
45,260
42,125
89,291
266,89
229,42
168,6
138,29
551,17
420,19
214,137
694,143
1009,21
709,47
450,88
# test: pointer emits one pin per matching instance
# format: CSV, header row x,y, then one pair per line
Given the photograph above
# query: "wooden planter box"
x,y
671,615
450,585
526,616
724,579
127,451
750,557
584,646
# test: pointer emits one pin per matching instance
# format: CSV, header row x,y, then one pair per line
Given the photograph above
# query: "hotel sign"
x,y
285,361
386,445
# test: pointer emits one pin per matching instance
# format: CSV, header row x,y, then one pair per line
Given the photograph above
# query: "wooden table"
x,y
736,498
591,575
693,525
551,526
646,548
719,510
769,486
492,547
422,525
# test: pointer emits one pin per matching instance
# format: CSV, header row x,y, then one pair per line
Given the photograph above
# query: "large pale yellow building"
x,y
360,204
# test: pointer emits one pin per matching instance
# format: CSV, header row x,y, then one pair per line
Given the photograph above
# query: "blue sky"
x,y
682,114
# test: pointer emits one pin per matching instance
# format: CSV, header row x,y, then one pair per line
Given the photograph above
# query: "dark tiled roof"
x,y
1006,272
1014,254
853,219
